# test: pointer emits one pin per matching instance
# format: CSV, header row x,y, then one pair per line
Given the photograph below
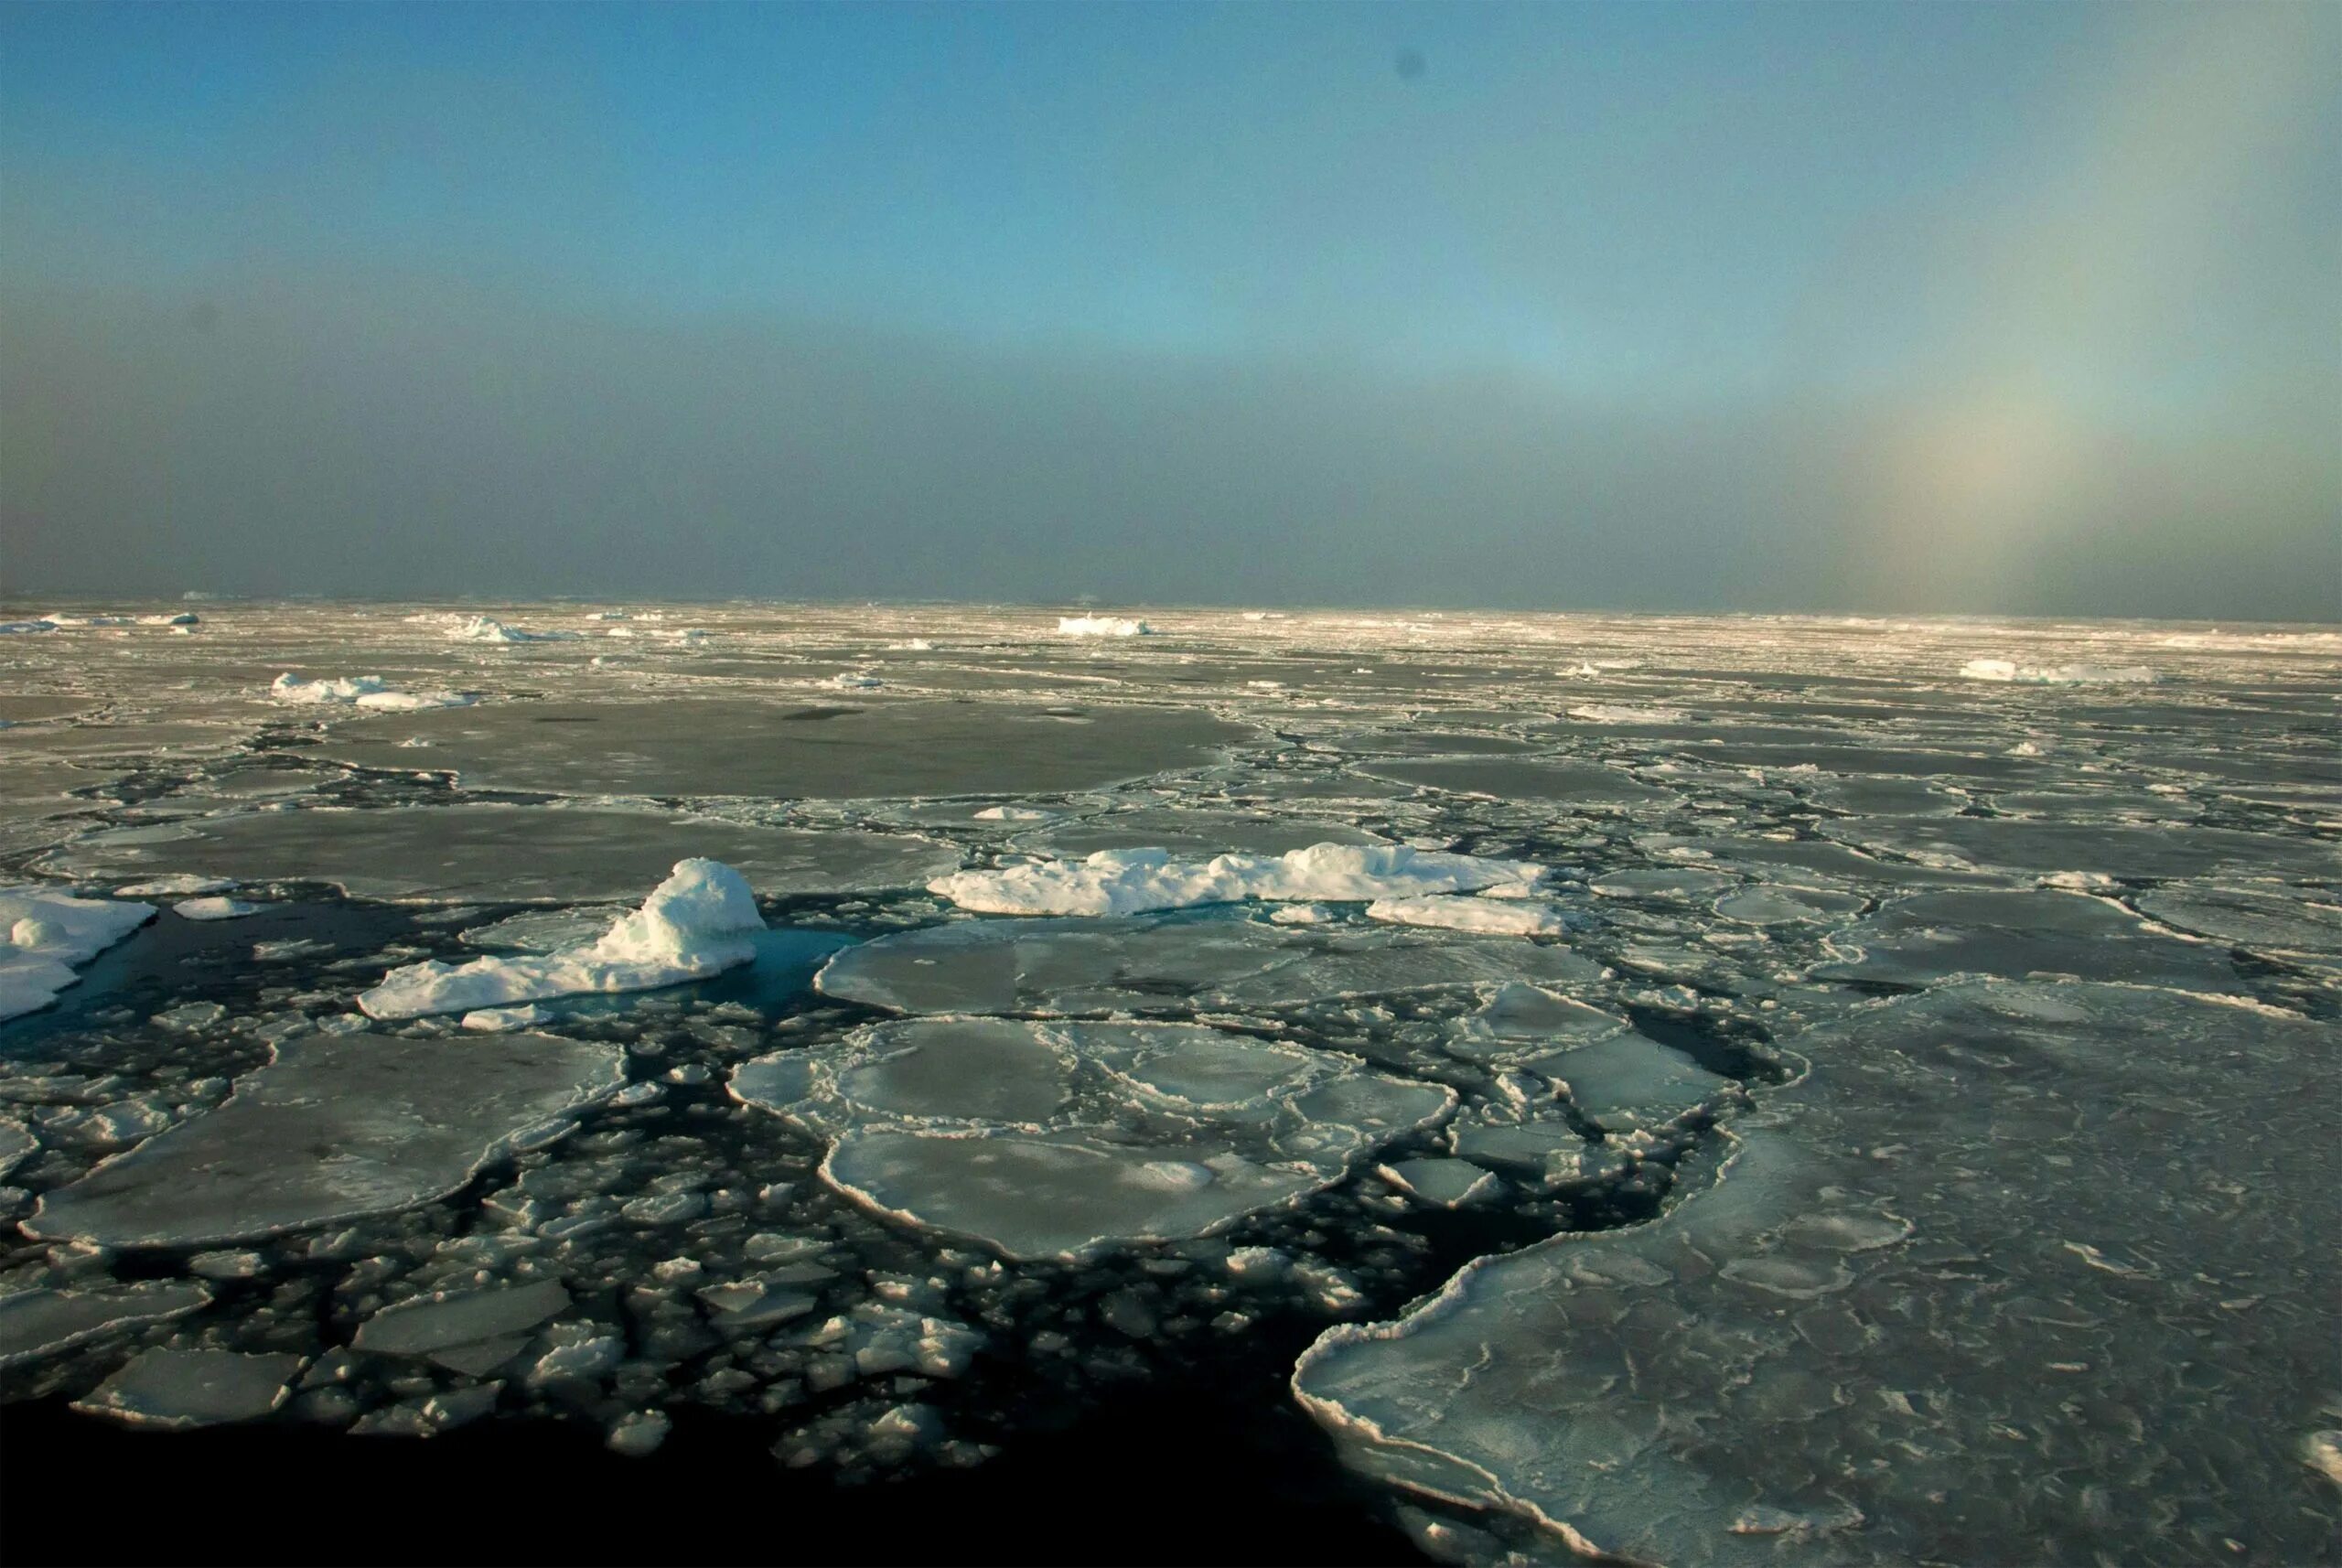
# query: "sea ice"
x,y
35,1324
1056,1139
335,1127
503,854
47,934
694,924
2055,674
1134,882
176,1389
1144,964
213,908
1885,1354
1101,626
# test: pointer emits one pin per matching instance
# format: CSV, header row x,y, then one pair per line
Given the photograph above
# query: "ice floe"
x,y
46,933
335,1127
696,923
1138,881
2006,670
1101,626
173,1390
1056,1140
1487,916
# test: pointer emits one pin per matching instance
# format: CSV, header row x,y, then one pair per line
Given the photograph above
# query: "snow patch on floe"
x,y
46,934
1137,881
698,922
1487,916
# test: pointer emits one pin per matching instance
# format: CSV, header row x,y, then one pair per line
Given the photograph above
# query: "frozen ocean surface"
x,y
1752,1090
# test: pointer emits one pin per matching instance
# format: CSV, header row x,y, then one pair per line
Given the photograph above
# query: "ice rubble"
x,y
362,691
2056,674
694,924
1056,1139
47,934
1101,626
335,1127
1139,881
1855,1342
1144,964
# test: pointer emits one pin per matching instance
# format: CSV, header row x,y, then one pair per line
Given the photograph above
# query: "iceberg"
x,y
46,934
1101,626
698,922
1139,881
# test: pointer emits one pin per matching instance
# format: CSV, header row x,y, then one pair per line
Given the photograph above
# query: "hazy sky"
x,y
1900,307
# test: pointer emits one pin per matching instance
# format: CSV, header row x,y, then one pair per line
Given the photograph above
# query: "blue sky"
x,y
2001,235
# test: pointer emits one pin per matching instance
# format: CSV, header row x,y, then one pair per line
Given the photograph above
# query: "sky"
x,y
1904,307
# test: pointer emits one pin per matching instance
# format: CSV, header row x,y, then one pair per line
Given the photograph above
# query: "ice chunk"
x,y
1489,916
1443,1183
213,908
1101,626
484,628
335,1127
694,924
174,888
176,1389
447,1320
1629,1082
39,1322
46,933
1131,882
1799,1308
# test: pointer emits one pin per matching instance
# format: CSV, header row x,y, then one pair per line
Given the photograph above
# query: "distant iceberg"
x,y
1101,626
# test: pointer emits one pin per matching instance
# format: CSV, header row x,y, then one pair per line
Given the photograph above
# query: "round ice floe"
x,y
1055,1140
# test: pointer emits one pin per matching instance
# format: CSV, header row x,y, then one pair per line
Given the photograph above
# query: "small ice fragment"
x,y
214,908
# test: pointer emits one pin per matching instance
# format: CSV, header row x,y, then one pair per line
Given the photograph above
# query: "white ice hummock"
x,y
361,691
700,921
43,935
1135,881
2056,674
1101,626
1488,916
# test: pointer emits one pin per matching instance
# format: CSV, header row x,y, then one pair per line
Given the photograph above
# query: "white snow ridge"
x,y
698,922
1135,881
362,691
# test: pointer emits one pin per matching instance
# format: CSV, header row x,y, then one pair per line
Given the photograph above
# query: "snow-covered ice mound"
x,y
1101,626
1855,1345
1056,1139
362,691
2006,670
485,628
1149,965
1138,881
335,1127
43,935
698,922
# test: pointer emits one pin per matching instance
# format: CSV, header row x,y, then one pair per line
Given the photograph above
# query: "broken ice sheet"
x,y
1859,1338
1158,963
1932,936
333,1128
731,746
474,853
1058,1140
35,1324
